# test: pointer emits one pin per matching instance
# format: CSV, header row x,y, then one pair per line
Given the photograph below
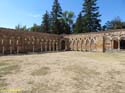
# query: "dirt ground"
x,y
64,72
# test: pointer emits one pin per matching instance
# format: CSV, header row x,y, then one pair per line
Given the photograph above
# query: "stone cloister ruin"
x,y
15,42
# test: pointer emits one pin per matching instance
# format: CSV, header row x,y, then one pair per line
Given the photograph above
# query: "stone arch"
x,y
50,45
41,45
93,45
122,43
73,45
82,45
53,45
115,42
63,45
107,43
87,45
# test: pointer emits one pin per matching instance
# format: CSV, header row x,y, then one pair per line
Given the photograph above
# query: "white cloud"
x,y
34,15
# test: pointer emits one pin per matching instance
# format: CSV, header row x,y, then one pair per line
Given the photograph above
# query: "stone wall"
x,y
15,42
103,41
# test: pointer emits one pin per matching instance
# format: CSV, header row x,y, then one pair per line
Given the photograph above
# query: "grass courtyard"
x,y
64,72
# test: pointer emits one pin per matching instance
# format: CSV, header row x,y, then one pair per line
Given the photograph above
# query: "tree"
x,y
91,21
109,25
116,23
56,15
35,28
78,25
68,18
45,26
21,28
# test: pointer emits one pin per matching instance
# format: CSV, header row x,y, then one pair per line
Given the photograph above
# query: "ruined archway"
x,y
122,44
87,45
115,44
63,45
93,45
82,45
77,47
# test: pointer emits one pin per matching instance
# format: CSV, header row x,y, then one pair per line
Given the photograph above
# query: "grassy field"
x,y
64,72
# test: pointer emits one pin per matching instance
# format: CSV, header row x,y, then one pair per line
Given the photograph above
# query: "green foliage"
x,y
116,23
91,21
21,28
78,25
35,28
68,19
56,15
45,27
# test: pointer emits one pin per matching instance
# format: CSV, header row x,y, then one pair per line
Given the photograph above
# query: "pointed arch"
x,y
87,45
93,45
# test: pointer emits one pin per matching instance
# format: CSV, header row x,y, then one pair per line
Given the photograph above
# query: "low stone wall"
x,y
103,41
14,42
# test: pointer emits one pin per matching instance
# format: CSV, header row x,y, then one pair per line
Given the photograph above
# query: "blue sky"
x,y
28,12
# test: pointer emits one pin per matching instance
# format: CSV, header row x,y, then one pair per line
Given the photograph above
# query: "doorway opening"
x,y
122,44
62,45
115,44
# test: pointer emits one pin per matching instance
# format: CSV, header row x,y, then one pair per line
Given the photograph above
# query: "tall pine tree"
x,y
56,16
78,25
91,21
46,23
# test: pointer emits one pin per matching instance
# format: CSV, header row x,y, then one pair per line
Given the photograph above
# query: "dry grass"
x,y
41,71
66,72
5,69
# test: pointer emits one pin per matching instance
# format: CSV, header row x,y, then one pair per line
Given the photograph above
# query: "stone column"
x,y
45,46
2,47
10,50
33,47
111,45
17,43
3,50
81,46
65,46
41,46
57,48
10,47
118,44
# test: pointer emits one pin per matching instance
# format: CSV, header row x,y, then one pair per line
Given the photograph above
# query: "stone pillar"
x,y
118,44
3,46
111,45
66,47
41,46
3,50
17,43
81,46
33,47
10,46
57,46
11,50
45,46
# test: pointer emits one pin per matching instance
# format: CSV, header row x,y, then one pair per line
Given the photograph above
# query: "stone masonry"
x,y
15,42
